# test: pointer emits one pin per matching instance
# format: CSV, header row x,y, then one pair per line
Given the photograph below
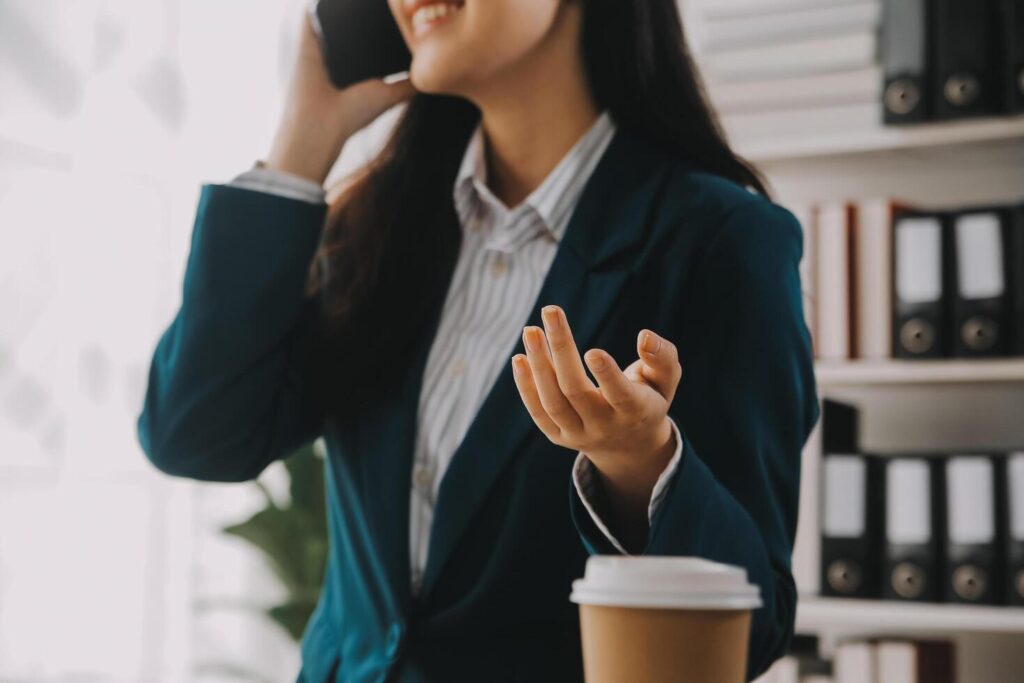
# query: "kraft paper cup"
x,y
654,619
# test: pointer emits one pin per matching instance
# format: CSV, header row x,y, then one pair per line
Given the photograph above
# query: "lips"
x,y
410,6
425,14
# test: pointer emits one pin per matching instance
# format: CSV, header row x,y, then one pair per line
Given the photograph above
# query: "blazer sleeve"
x,y
745,406
226,393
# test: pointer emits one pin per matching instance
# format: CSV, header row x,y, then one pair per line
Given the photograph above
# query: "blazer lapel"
x,y
593,262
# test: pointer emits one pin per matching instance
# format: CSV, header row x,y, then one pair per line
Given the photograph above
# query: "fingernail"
x,y
595,360
517,364
651,344
551,317
532,338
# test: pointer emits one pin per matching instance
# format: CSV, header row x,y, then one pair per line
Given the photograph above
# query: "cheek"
x,y
488,43
515,30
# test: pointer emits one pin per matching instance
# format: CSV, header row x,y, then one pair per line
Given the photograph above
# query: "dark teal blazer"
x,y
651,243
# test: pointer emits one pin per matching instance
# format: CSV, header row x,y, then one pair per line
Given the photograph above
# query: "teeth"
x,y
430,12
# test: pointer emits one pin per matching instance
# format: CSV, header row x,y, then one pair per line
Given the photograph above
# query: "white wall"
x,y
112,113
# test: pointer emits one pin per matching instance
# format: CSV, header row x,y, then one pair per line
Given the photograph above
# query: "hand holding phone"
x,y
319,117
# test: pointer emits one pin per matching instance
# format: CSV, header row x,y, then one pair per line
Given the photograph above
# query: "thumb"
x,y
660,364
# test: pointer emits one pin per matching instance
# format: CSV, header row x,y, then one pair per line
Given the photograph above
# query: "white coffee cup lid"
x,y
664,581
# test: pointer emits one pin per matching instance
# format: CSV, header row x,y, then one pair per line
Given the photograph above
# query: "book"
x,y
816,55
820,20
856,86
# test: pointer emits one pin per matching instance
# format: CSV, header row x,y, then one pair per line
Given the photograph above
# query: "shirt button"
x,y
458,367
498,267
424,477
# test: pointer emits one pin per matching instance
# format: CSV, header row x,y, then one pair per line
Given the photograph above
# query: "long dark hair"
x,y
392,236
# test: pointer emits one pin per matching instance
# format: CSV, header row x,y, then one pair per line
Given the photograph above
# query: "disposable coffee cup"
x,y
659,619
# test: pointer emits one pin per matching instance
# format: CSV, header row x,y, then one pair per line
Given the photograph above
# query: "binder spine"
x,y
911,568
905,41
919,306
981,326
1012,21
851,566
965,58
972,567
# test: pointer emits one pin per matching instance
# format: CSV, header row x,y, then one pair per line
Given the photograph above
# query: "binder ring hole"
x,y
917,336
908,580
962,89
844,577
902,96
979,334
969,582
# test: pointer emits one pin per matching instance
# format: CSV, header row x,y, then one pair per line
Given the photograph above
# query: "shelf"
x,y
883,139
818,615
981,371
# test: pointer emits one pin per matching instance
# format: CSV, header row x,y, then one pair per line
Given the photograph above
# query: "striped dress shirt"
x,y
504,257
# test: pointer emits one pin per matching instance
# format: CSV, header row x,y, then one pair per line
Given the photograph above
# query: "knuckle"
x,y
620,401
552,435
631,411
558,409
573,391
558,343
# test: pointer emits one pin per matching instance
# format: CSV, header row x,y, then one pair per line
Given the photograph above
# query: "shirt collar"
x,y
554,198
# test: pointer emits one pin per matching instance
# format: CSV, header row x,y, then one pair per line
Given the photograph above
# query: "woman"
x,y
555,155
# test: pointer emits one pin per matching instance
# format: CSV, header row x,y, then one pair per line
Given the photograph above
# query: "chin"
x,y
425,81
433,77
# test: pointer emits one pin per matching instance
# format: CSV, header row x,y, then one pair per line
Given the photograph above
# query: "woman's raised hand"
x,y
622,425
318,117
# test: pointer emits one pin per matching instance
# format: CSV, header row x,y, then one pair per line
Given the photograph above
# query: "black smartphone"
x,y
359,40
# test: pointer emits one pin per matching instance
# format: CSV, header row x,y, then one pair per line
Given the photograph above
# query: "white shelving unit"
x,y
868,617
842,152
988,639
940,405
878,138
869,373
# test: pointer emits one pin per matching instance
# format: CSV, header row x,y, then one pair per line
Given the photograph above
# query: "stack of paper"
x,y
788,67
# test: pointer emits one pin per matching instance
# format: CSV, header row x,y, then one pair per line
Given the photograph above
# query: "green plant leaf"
x,y
292,616
293,539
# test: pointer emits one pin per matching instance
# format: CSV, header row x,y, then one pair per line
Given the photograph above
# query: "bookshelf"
x,y
826,144
832,374
943,405
988,639
876,138
926,619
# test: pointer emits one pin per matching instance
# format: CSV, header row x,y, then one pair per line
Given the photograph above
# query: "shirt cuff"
x,y
584,477
281,183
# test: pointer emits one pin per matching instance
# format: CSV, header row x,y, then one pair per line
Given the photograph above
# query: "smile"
x,y
428,16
